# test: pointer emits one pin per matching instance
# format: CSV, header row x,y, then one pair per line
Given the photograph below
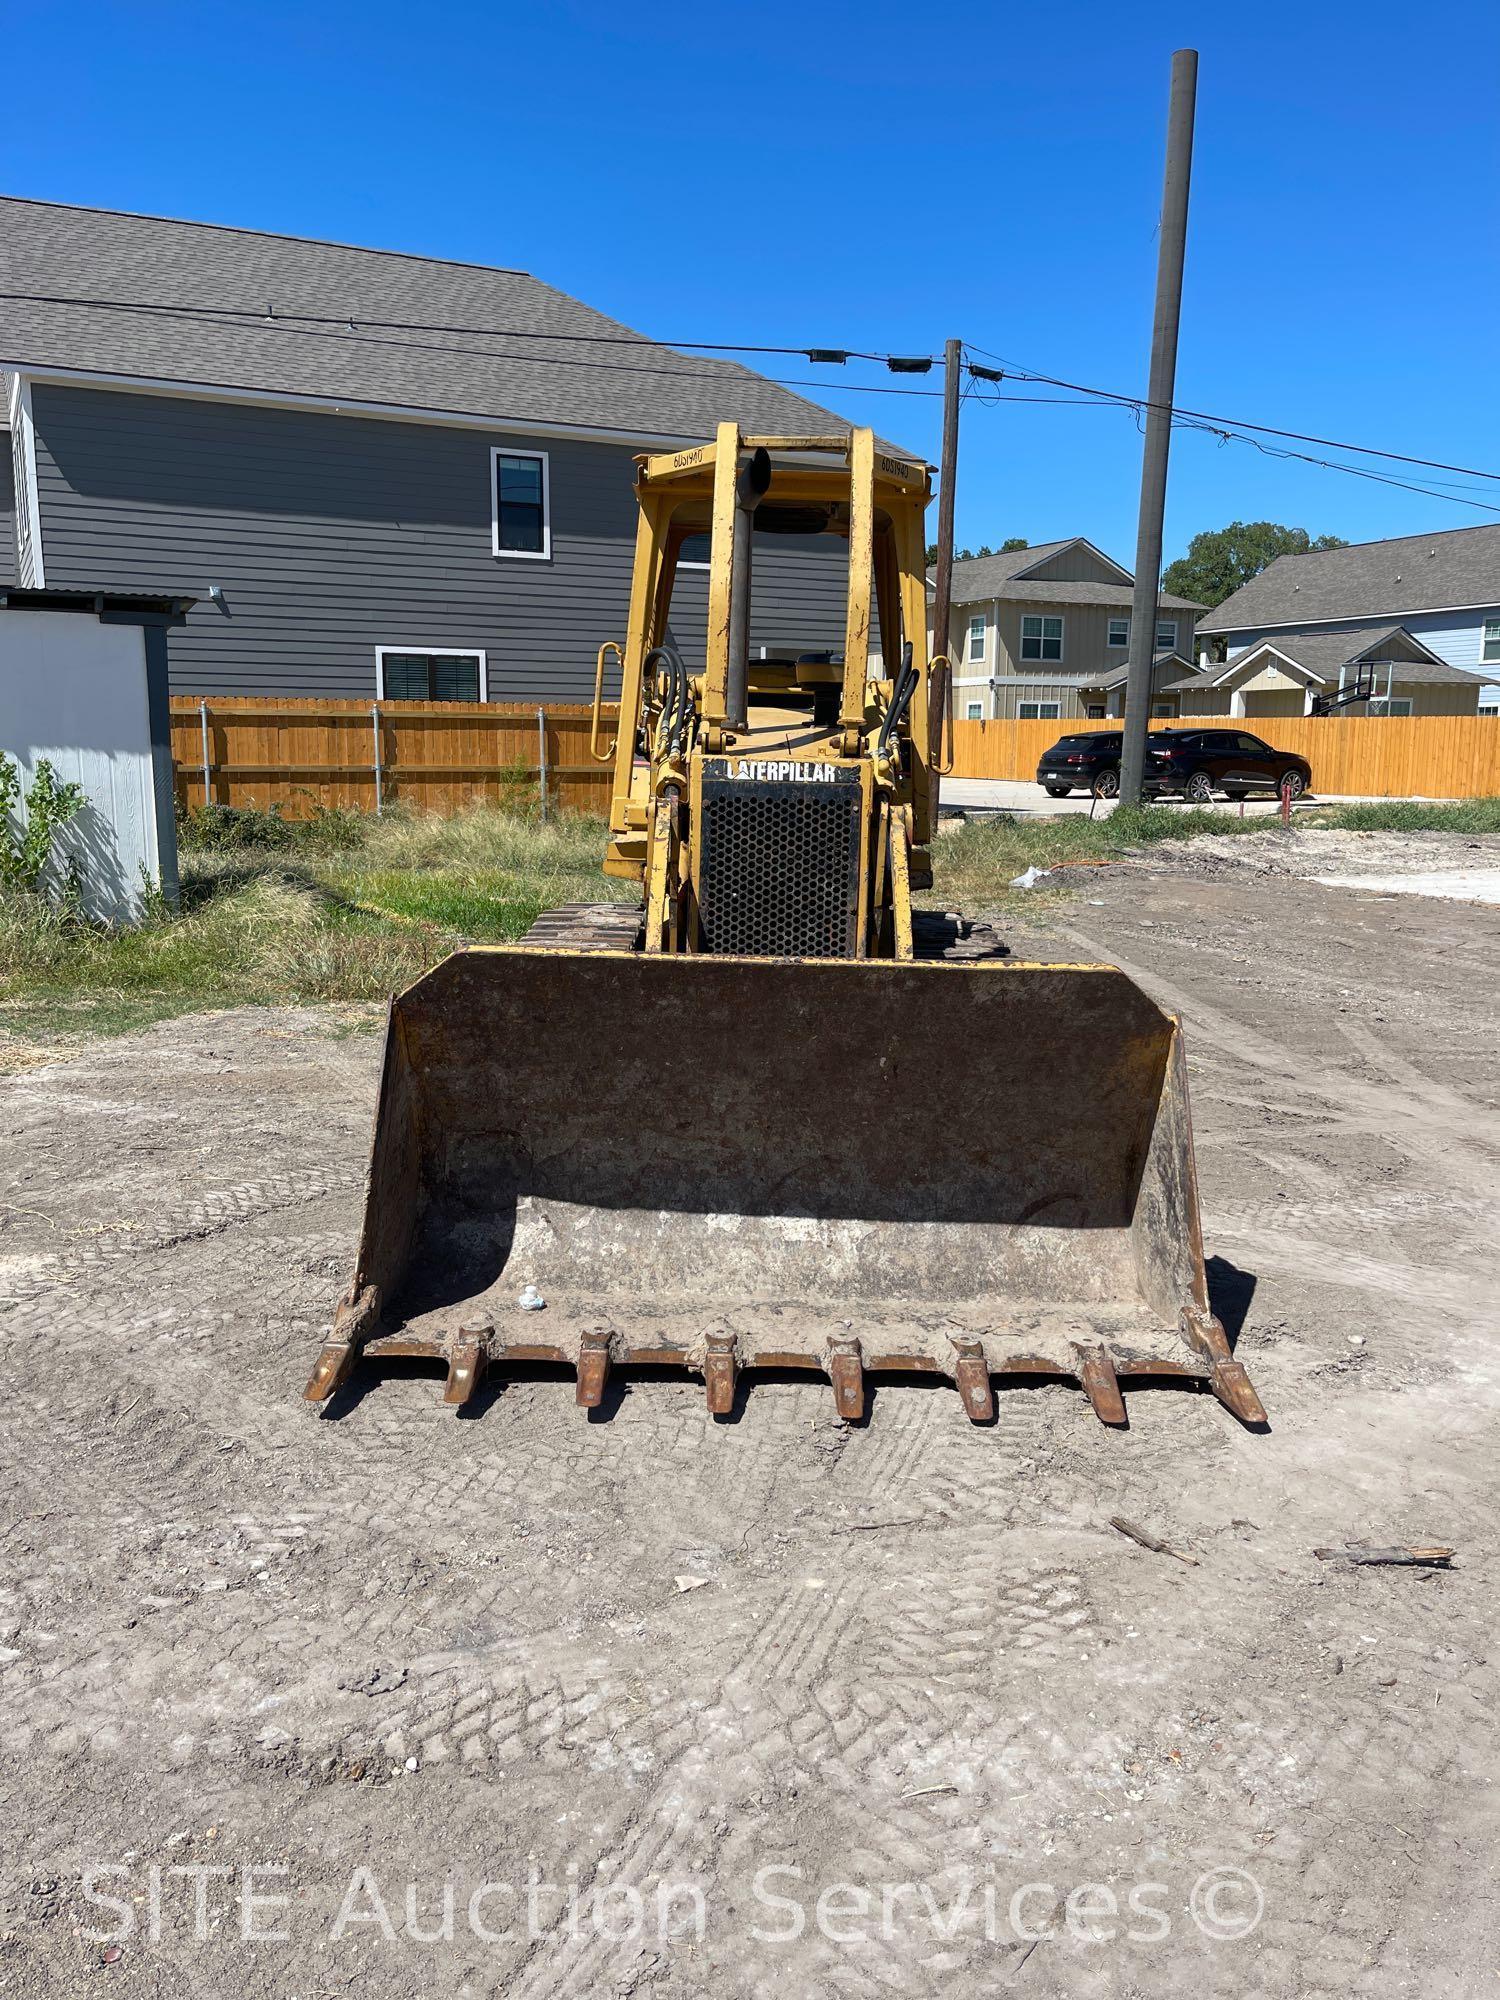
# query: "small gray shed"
x,y
83,684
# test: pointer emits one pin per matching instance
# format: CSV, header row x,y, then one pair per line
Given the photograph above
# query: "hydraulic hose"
x,y
675,705
906,687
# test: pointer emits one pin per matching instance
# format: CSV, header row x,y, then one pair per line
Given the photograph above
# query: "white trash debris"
x,y
531,1300
1030,879
690,1582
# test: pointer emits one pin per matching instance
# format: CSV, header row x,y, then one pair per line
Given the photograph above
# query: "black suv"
x,y
1091,763
1200,762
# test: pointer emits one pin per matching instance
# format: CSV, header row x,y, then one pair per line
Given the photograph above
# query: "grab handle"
x,y
602,756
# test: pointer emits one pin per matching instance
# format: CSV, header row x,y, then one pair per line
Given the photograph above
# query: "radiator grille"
x,y
778,868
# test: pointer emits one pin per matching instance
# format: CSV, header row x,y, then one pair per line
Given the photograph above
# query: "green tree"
x,y
969,555
1015,542
1220,560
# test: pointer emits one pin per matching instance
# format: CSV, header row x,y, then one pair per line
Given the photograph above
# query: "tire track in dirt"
x,y
1444,1130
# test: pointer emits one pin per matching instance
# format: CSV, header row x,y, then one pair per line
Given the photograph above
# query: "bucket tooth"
x,y
330,1371
720,1365
1226,1376
356,1319
467,1360
1234,1390
971,1373
593,1367
1101,1385
846,1371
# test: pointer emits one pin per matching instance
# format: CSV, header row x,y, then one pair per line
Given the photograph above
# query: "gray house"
x,y
378,474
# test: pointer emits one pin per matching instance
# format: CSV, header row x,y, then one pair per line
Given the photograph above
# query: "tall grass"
x,y
275,911
1410,816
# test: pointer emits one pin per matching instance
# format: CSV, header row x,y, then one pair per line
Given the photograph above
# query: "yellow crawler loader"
x,y
771,1117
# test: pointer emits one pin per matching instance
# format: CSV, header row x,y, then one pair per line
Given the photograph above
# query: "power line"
x,y
367,332
352,322
1016,373
1227,434
345,332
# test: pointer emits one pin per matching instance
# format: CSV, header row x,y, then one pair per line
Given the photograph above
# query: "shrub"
x,y
43,812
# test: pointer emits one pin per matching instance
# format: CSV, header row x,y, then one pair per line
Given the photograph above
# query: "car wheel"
x,y
1199,789
1107,785
1057,791
1293,783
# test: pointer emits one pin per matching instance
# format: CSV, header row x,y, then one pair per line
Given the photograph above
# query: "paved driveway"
x,y
1028,800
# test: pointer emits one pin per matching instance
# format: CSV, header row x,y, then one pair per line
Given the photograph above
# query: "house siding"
x,y
1075,564
1086,648
1453,635
331,535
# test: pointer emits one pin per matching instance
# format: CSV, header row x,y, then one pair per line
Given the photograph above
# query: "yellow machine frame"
x,y
876,499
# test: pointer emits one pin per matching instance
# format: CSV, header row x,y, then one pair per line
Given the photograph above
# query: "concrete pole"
x,y
943,581
1169,260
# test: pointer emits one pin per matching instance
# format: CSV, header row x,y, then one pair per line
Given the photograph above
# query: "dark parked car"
x,y
1090,763
1200,762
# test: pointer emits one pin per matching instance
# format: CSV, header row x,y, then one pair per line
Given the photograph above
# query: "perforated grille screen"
x,y
778,868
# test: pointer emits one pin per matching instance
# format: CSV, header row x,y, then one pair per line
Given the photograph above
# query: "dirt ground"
x,y
821,1711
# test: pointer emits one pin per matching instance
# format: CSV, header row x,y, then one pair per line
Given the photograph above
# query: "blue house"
x,y
1420,615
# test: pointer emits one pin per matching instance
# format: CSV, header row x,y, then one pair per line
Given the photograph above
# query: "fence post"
x,y
379,769
541,751
208,797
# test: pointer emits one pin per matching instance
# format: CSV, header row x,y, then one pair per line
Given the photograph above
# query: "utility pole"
x,y
1169,260
943,582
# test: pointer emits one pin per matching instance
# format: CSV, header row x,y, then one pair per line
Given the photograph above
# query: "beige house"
x,y
1045,632
1346,670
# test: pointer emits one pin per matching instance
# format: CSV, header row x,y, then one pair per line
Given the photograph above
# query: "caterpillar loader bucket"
x,y
729,1164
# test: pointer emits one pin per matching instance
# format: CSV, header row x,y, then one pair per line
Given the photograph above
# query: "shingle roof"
x,y
1324,653
986,577
547,370
1117,676
1393,579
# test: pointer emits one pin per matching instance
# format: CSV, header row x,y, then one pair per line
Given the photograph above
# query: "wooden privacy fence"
x,y
1387,757
431,756
439,756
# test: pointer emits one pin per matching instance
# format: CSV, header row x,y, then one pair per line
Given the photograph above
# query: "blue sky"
x,y
880,176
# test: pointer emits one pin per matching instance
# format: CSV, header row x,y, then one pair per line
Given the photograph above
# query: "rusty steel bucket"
x,y
974,1170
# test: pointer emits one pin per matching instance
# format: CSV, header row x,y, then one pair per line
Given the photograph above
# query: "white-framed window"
x,y
974,711
1041,638
1390,704
1489,640
976,636
431,673
1166,635
1037,711
1119,632
520,504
